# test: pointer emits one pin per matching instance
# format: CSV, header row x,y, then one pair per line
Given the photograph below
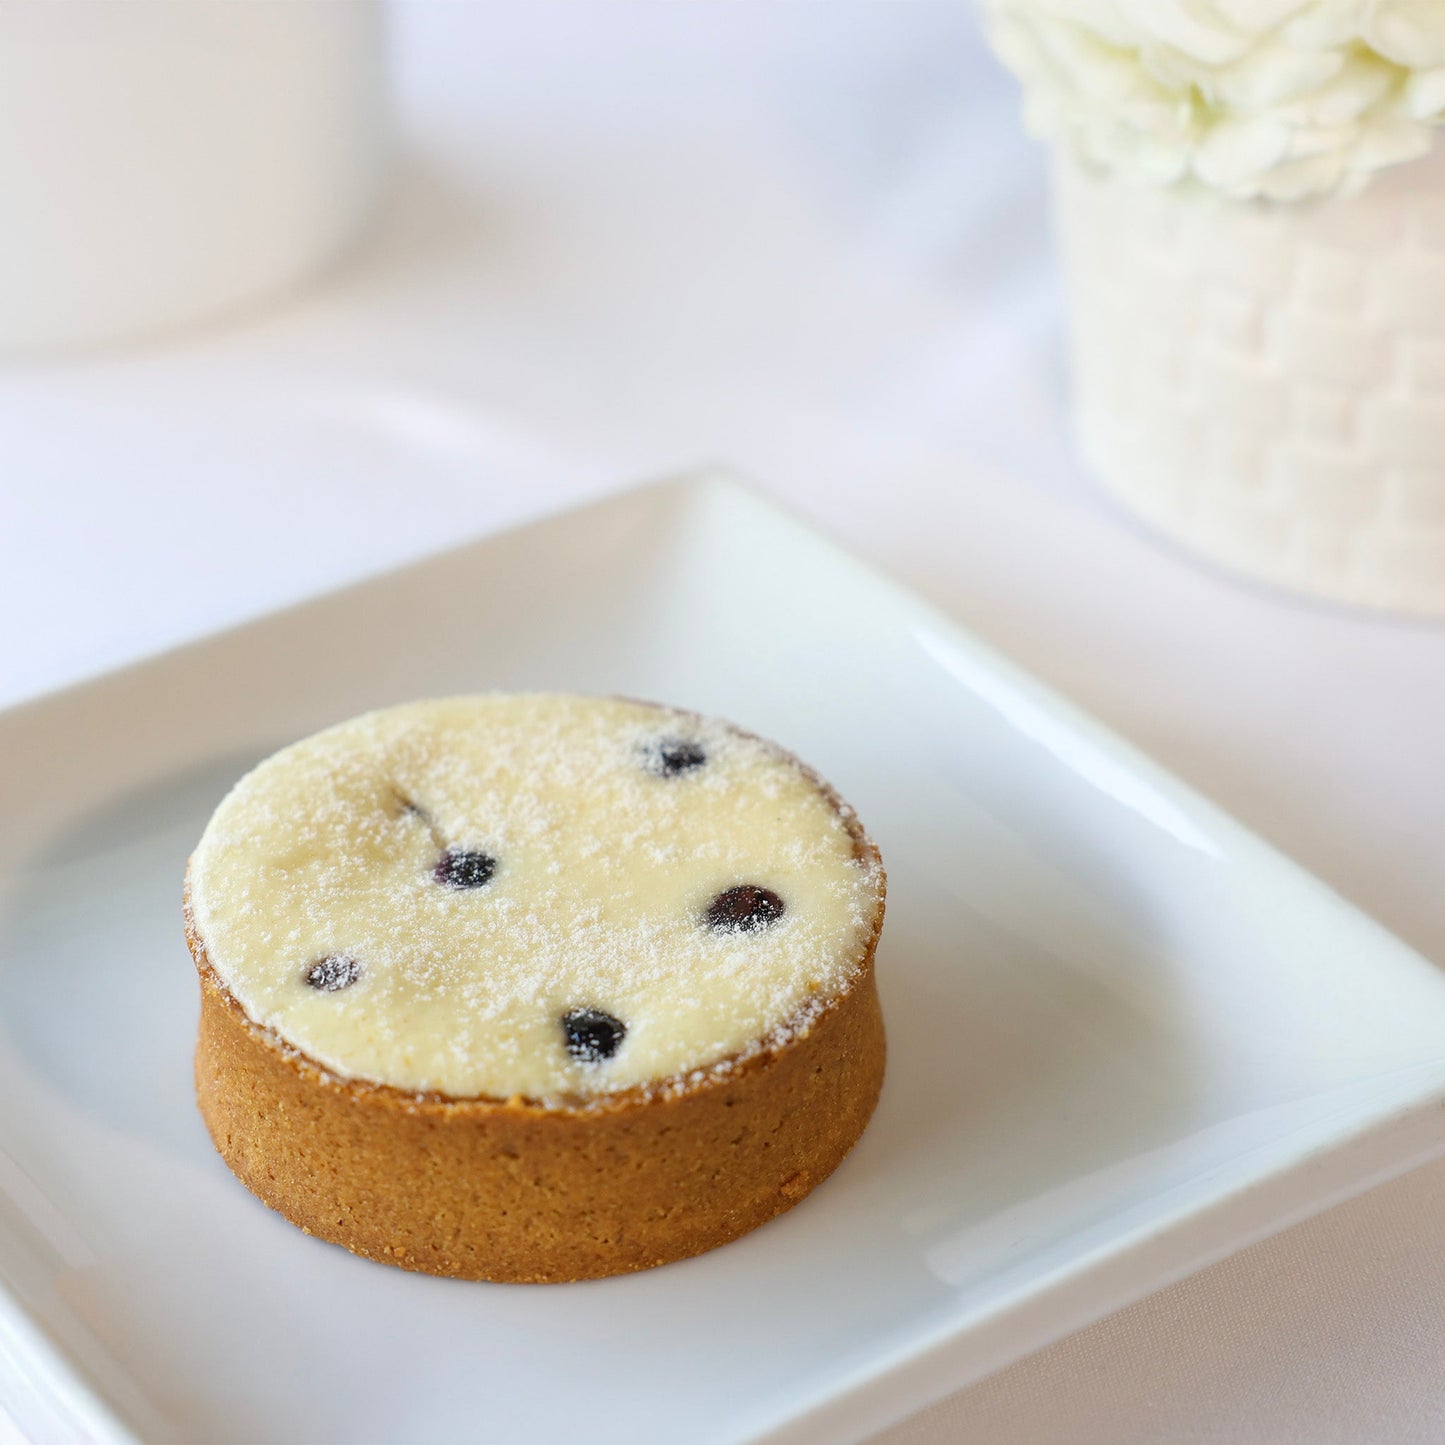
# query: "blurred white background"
x,y
811,240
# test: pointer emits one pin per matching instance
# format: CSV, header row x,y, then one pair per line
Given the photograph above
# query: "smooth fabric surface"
x,y
810,240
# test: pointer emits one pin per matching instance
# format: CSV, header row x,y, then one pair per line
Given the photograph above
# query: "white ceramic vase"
x,y
1265,382
165,161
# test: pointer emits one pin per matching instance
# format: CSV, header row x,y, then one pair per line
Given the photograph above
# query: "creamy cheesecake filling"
x,y
537,895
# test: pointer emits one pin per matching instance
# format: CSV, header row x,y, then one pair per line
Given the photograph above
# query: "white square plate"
x,y
1126,1037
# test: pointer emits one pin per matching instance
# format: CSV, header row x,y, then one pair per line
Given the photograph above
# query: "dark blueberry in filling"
x,y
459,868
672,756
744,909
592,1035
333,972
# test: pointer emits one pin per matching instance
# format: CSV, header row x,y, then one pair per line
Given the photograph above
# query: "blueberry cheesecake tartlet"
x,y
534,987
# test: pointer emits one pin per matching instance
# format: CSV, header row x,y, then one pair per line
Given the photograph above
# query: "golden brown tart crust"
x,y
516,1190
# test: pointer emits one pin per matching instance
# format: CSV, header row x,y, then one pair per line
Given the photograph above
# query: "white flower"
x,y
1274,98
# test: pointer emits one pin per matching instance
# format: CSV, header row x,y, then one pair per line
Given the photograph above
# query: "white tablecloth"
x,y
811,240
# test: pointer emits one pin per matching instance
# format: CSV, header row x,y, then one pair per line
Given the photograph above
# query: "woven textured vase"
x,y
1265,382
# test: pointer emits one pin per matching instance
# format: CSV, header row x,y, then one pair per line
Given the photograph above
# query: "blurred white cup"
x,y
163,161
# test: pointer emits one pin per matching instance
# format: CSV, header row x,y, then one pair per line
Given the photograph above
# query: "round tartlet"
x,y
534,987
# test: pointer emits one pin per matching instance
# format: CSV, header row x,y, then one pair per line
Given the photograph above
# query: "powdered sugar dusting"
x,y
605,868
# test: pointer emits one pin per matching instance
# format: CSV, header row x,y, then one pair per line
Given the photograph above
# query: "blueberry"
x,y
670,756
744,909
333,972
460,868
592,1035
